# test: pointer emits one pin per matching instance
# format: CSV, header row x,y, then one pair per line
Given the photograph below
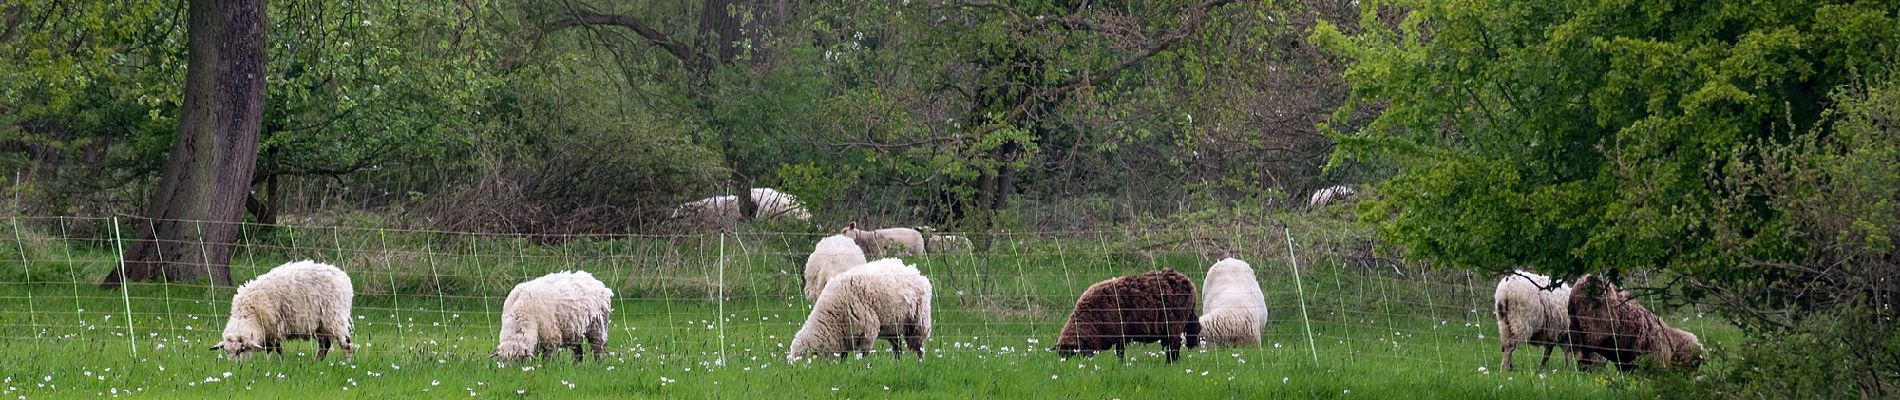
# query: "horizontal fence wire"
x,y
717,298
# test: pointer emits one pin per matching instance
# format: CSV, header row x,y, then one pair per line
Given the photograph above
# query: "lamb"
x,y
1531,310
882,299
772,205
562,309
886,242
1154,307
1607,323
1236,308
834,255
297,300
1326,196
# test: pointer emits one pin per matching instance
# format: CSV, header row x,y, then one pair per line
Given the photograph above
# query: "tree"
x,y
191,224
1693,141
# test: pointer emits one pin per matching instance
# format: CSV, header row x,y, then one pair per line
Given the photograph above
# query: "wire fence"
x,y
716,297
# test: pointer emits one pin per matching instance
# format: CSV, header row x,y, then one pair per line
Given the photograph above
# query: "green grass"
x,y
428,306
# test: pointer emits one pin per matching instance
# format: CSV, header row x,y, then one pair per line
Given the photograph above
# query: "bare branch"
x,y
694,60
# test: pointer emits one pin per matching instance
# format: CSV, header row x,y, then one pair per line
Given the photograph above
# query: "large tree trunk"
x,y
191,225
719,27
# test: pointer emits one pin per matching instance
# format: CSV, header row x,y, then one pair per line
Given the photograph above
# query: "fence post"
x,y
1301,289
125,291
721,318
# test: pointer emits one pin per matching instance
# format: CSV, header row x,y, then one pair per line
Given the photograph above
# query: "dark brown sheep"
x,y
1606,323
1154,307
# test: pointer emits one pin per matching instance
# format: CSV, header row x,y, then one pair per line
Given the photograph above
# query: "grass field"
x,y
427,316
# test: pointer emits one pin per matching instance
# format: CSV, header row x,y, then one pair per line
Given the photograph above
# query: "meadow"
x,y
710,316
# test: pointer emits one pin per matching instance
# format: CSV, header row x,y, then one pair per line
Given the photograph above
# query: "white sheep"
x,y
834,255
945,243
776,205
1326,196
886,242
298,300
1530,310
772,205
1236,308
881,299
562,309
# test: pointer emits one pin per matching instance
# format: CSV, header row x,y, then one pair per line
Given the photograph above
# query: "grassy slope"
x,y
428,304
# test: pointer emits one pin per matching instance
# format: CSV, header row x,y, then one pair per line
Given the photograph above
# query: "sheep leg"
x,y
323,346
349,352
1542,364
1174,349
597,340
897,347
1510,346
579,355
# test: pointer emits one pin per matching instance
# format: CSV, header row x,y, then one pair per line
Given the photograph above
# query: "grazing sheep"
x,y
834,255
1154,307
944,243
1607,323
1326,196
1531,310
776,205
886,242
772,205
1236,309
881,299
298,300
562,309
949,244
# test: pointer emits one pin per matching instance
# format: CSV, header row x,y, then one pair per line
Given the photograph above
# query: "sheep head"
x,y
239,347
518,339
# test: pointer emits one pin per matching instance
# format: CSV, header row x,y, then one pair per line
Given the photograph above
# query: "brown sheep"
x,y
1606,323
1154,307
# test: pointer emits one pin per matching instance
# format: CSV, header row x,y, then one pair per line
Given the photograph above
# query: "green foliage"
x,y
1585,137
1746,148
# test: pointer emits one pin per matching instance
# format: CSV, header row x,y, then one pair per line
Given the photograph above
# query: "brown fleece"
x,y
1154,307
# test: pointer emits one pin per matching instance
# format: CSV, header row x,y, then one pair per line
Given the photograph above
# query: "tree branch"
x,y
1191,21
694,60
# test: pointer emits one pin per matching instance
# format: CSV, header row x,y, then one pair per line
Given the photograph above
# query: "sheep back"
x,y
1153,307
1606,322
1236,309
555,310
886,242
297,300
882,299
833,255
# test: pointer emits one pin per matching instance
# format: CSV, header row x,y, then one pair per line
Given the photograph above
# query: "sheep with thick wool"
x,y
297,300
1607,324
945,243
559,310
883,299
1531,310
886,242
1236,310
772,205
1154,307
1326,196
834,254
